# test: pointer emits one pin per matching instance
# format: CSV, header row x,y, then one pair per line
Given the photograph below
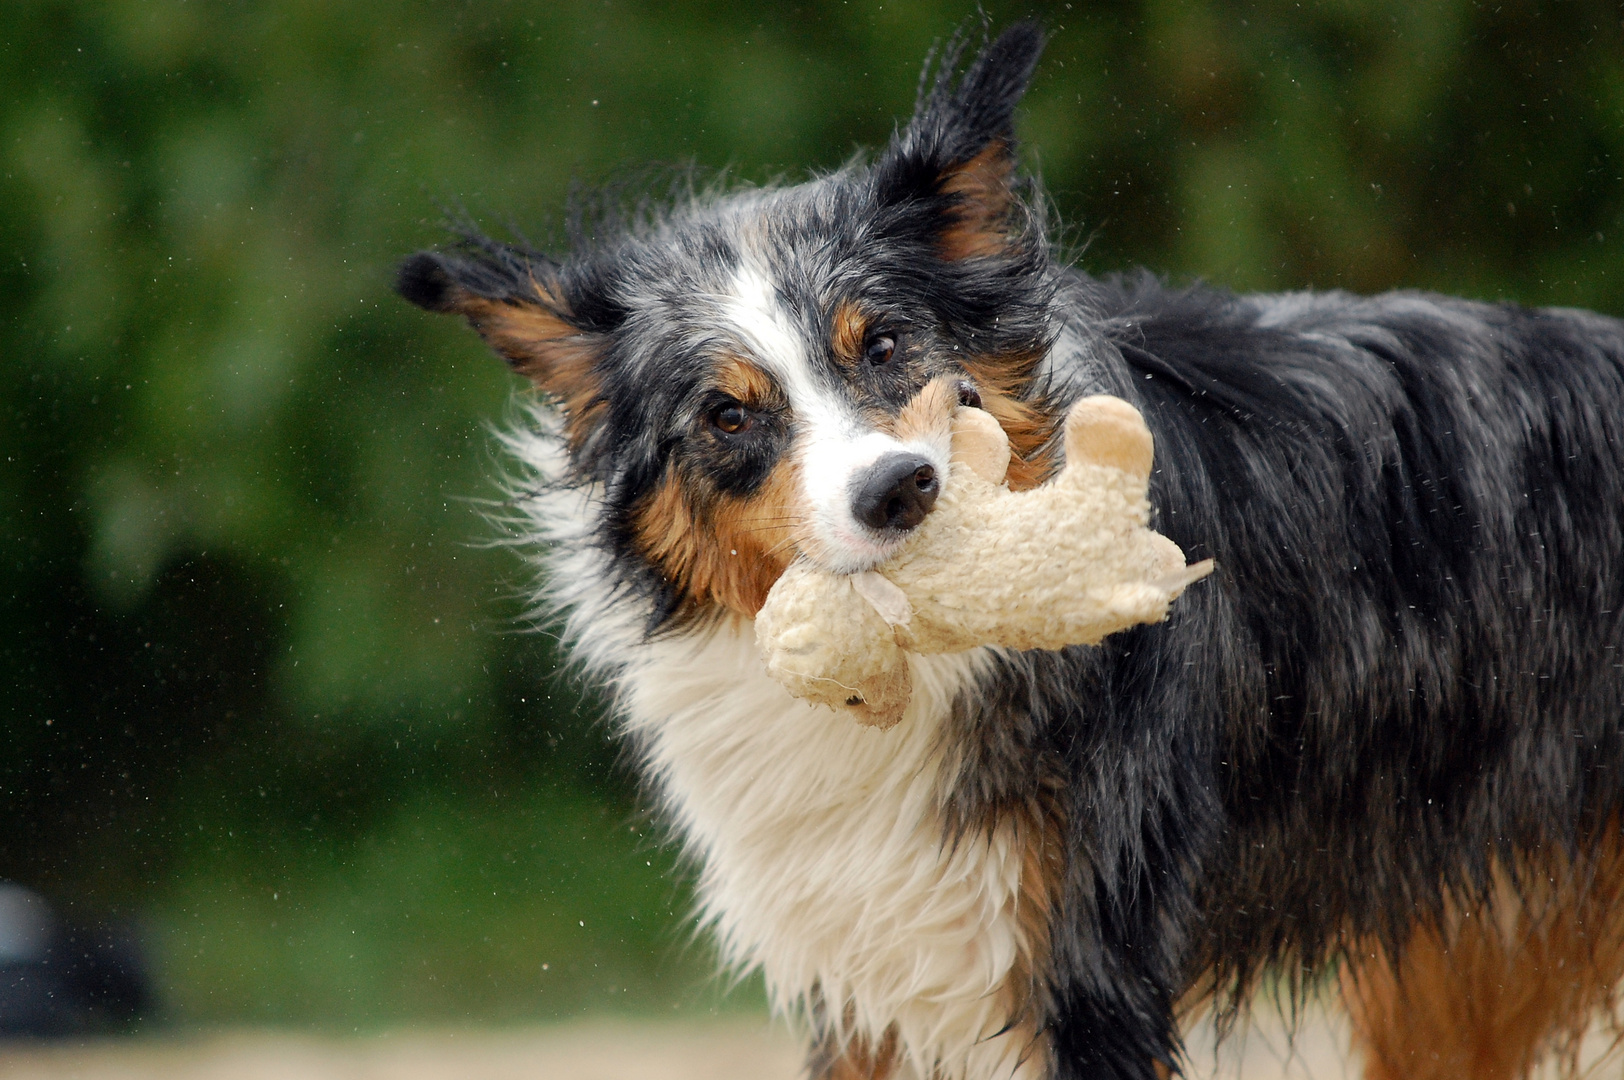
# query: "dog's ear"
x,y
957,154
517,304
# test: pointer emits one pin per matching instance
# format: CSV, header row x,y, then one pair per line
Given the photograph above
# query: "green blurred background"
x,y
264,691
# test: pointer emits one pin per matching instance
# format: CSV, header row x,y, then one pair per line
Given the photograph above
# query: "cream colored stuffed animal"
x,y
1063,564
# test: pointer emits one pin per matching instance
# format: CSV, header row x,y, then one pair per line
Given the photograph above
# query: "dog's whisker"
x,y
776,526
788,541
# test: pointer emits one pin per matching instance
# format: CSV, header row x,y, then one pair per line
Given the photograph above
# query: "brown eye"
x,y
880,349
732,419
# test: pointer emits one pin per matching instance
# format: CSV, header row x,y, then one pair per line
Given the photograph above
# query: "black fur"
x,y
1407,667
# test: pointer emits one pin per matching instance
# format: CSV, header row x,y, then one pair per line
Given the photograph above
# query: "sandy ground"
x,y
600,1050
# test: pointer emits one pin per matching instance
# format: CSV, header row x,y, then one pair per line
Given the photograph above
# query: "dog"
x,y
1379,750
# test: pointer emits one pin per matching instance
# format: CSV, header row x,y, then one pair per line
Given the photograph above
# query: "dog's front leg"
x,y
1142,818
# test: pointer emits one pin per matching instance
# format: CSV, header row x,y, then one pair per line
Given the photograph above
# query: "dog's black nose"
x,y
896,493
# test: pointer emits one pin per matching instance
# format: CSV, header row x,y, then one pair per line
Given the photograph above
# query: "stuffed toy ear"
x,y
957,155
1105,430
980,444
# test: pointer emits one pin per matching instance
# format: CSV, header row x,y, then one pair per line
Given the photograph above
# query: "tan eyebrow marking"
x,y
745,382
847,328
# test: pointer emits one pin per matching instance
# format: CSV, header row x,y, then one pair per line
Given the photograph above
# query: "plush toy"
x,y
1063,564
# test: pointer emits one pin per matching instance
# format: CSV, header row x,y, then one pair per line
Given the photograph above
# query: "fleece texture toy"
x,y
1063,564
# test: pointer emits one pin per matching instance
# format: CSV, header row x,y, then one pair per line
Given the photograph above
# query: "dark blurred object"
x,y
57,979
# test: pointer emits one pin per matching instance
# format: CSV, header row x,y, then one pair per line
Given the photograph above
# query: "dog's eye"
x,y
732,419
880,349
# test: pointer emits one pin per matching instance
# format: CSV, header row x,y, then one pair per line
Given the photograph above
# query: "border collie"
x,y
1380,750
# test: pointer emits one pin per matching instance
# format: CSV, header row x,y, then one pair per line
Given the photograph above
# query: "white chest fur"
x,y
823,856
822,851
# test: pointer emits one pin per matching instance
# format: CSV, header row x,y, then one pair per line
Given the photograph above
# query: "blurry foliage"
x,y
261,689
486,904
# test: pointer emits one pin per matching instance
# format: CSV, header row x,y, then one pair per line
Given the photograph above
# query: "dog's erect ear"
x,y
516,303
958,151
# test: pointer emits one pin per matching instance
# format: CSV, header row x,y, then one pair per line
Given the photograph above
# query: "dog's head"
x,y
735,377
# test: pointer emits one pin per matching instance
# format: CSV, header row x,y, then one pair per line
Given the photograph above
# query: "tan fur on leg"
x,y
1497,989
857,1060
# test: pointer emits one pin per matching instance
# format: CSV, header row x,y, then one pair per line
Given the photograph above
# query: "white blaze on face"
x,y
833,444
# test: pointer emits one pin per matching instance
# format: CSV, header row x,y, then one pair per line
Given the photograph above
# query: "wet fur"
x,y
1398,701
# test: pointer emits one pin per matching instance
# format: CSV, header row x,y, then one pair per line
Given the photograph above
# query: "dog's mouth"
x,y
852,551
